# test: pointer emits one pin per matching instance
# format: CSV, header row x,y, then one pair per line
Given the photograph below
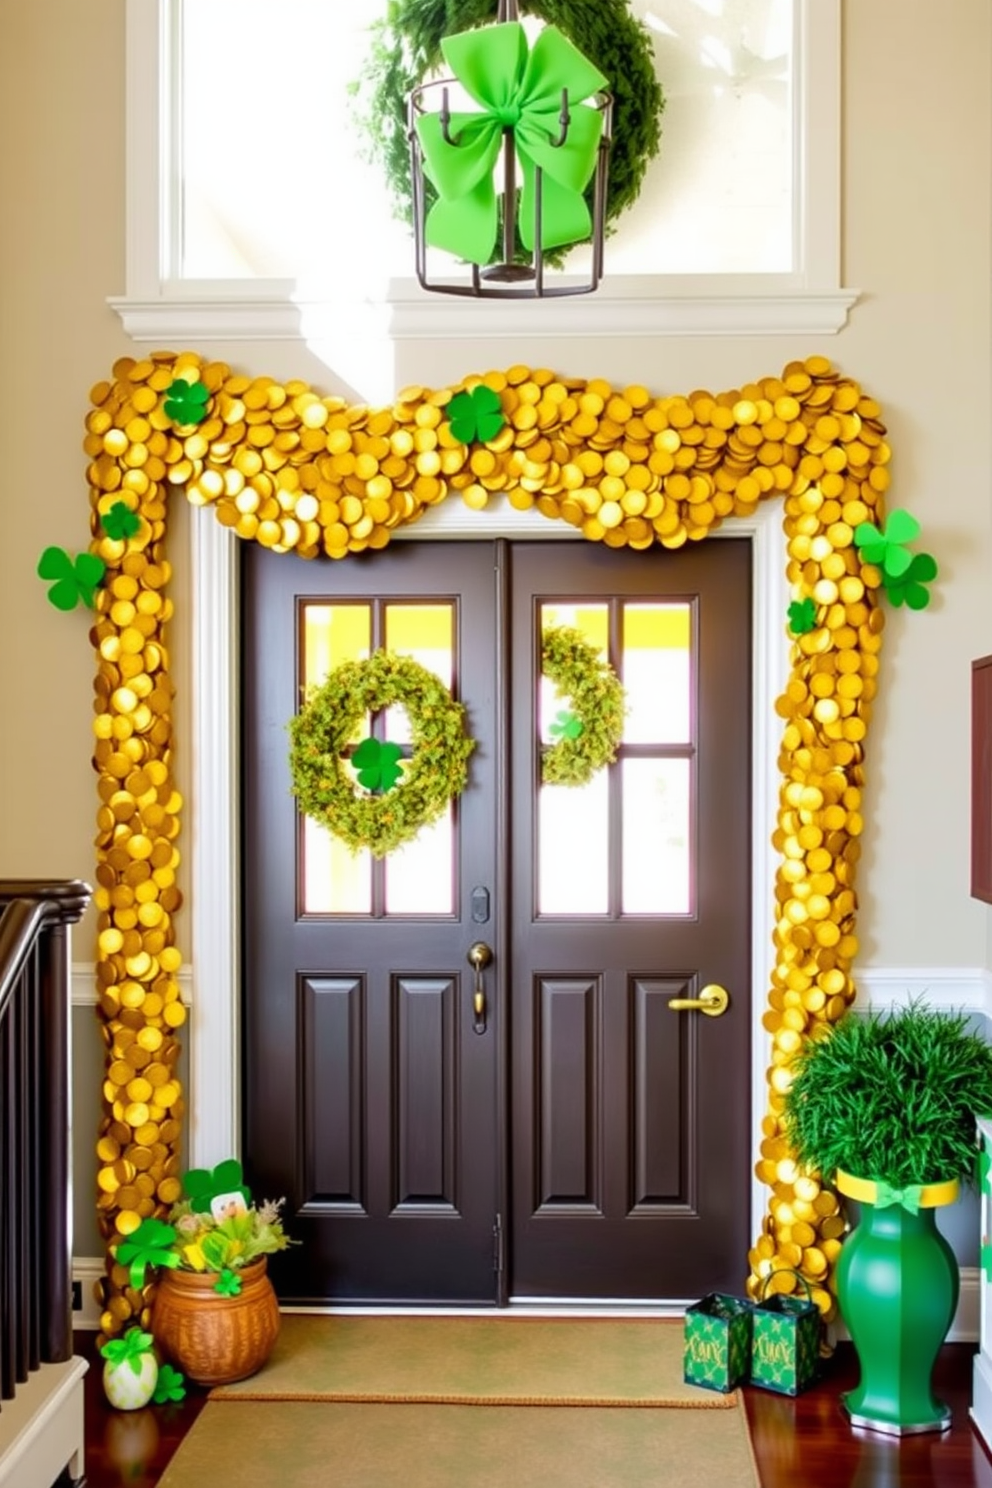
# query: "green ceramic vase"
x,y
897,1284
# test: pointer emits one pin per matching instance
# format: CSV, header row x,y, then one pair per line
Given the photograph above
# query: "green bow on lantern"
x,y
519,89
909,1197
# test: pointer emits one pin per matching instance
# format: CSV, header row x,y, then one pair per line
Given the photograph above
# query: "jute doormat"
x,y
496,1361
290,1444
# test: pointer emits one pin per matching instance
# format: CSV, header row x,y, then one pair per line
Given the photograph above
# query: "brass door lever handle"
x,y
712,1000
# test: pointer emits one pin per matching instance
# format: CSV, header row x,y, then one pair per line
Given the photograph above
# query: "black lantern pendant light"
x,y
532,118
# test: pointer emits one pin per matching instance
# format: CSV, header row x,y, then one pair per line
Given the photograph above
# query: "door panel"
x,y
630,1147
621,1126
369,1098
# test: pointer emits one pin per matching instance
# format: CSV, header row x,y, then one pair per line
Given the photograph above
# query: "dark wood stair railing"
x,y
41,1420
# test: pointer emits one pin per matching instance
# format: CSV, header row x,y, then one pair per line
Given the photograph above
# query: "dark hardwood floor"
x,y
801,1443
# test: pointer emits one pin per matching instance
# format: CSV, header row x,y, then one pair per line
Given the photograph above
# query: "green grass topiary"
x,y
891,1097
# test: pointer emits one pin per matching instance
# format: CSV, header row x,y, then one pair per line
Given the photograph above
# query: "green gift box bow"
x,y
909,1197
520,89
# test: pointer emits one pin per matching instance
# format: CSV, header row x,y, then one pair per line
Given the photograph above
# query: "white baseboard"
x,y
86,1272
964,1329
965,989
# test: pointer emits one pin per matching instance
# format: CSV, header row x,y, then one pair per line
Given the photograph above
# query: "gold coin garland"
x,y
593,726
298,472
322,779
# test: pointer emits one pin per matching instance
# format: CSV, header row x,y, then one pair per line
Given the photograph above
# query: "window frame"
x,y
160,307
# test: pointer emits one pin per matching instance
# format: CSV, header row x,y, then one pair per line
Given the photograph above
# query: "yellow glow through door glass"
x,y
419,877
656,654
334,879
573,875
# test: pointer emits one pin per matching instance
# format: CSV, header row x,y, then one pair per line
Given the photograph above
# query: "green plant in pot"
x,y
214,1312
884,1107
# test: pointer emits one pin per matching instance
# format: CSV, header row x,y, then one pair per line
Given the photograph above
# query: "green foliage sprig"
x,y
891,1097
406,48
322,779
597,705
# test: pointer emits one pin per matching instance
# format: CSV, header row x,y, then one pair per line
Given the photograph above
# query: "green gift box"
x,y
785,1341
718,1342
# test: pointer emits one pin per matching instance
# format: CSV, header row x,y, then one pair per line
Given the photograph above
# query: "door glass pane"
x,y
573,821
335,880
574,860
419,877
593,621
424,632
656,673
419,874
656,862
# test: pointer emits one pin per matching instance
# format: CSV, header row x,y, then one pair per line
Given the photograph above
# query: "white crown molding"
x,y
176,320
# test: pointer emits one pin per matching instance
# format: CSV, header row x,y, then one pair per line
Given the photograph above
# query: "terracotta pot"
x,y
214,1339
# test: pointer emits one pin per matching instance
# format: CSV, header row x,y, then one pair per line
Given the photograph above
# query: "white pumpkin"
x,y
127,1390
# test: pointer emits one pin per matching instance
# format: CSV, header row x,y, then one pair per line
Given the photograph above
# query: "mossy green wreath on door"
x,y
371,797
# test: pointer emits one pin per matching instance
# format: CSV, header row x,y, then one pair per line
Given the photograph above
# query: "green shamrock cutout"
x,y
909,588
567,726
477,415
377,764
171,1385
149,1245
228,1283
130,1349
186,402
886,548
984,1165
202,1185
120,522
75,578
802,616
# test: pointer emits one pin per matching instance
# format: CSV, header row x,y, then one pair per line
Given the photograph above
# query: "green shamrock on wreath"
x,y
377,764
566,725
186,402
477,415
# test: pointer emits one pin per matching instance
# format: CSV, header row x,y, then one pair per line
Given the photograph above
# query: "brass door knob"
x,y
713,1000
479,957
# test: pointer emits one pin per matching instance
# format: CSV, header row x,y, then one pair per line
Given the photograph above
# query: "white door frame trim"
x,y
215,1033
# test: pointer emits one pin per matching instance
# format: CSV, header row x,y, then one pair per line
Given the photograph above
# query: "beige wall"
x,y
917,210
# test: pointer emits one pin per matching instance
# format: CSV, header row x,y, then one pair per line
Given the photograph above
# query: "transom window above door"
x,y
250,205
718,199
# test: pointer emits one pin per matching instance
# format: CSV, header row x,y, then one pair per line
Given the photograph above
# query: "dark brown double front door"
x,y
579,1138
